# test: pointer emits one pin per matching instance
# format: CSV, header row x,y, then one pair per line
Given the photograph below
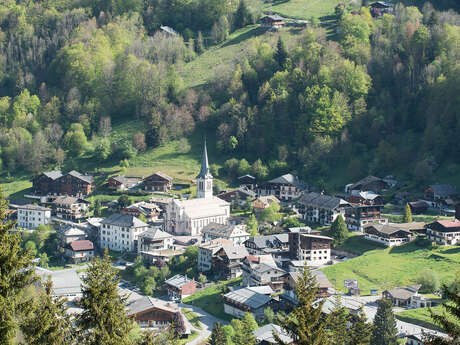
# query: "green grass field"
x,y
357,244
421,317
210,299
192,317
387,268
302,9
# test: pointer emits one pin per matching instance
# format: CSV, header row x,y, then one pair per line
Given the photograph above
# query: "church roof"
x,y
204,172
203,207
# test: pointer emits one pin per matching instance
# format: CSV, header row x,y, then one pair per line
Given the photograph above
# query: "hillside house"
x,y
444,232
325,287
120,232
75,184
68,234
247,181
272,21
276,245
320,208
441,194
245,300
369,183
158,181
156,314
264,335
150,211
357,216
31,216
207,252
365,198
418,207
154,240
239,196
401,296
234,233
312,250
70,208
389,235
79,251
260,271
179,287
380,8
286,188
227,261
122,183
45,183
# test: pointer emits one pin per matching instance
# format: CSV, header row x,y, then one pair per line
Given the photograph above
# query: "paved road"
x,y
207,322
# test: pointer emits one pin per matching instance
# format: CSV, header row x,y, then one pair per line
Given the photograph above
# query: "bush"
x,y
429,281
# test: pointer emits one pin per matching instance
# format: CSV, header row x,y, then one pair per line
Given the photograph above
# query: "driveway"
x,y
207,322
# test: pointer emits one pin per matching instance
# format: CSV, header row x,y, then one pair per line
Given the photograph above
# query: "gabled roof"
x,y
85,178
71,231
265,334
445,225
367,195
235,252
387,229
289,179
246,176
242,190
273,17
223,230
178,281
33,208
162,175
54,174
366,180
322,201
68,200
263,267
248,298
382,4
155,234
168,30
123,220
146,302
269,241
81,245
444,190
400,293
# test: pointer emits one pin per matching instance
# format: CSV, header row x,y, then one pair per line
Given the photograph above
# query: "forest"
x,y
369,95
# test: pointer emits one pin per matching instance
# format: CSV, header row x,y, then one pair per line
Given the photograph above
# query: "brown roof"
x,y
81,245
454,223
163,175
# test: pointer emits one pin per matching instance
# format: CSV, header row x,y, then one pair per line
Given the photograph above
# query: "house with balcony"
x,y
390,235
120,232
207,252
70,208
444,232
286,188
321,209
235,233
79,251
260,271
179,287
276,245
357,216
31,216
154,240
227,262
311,250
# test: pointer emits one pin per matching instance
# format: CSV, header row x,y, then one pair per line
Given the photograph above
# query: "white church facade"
x,y
188,217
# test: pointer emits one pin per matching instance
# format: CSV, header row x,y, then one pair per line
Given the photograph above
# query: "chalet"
x,y
158,181
79,251
401,296
75,184
69,234
441,193
357,216
121,183
150,211
239,196
272,21
260,271
247,181
369,183
264,335
45,183
320,208
389,235
380,8
325,287
179,287
365,198
312,250
70,208
149,312
245,300
262,202
444,232
276,245
417,228
227,261
418,207
153,240
207,252
236,234
285,188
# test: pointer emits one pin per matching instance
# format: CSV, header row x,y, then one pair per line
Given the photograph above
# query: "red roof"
x,y
455,223
81,245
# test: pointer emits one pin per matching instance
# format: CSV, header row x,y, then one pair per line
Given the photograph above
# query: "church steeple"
x,y
204,178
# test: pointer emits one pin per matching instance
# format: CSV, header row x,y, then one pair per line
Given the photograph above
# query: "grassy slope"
x,y
421,317
391,267
302,9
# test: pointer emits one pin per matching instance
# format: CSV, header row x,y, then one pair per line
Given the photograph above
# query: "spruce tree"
x,y
339,231
305,324
242,15
281,53
361,330
48,322
449,320
16,274
103,320
337,323
217,336
407,214
385,331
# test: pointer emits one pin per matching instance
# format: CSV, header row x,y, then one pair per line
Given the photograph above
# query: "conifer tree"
x,y
337,323
97,208
103,320
242,15
407,214
217,336
199,43
385,331
305,324
361,330
243,333
339,231
449,320
15,276
281,53
48,322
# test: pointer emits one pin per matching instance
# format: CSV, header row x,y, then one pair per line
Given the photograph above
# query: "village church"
x,y
188,217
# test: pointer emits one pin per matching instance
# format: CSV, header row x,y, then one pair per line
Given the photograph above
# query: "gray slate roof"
x,y
289,179
248,297
387,229
178,280
86,178
155,234
54,174
322,201
123,220
444,190
265,333
235,252
270,241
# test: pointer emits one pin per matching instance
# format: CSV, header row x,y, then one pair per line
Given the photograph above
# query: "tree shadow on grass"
x,y
257,31
454,250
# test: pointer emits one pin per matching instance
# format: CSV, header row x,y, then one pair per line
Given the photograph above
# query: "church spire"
x,y
204,172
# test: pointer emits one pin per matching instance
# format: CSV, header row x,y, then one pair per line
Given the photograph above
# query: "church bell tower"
x,y
204,178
